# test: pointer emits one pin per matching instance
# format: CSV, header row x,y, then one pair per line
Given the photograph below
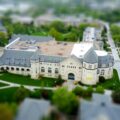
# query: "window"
x,y
98,71
22,69
42,69
12,68
102,72
84,65
49,70
2,68
56,70
7,68
95,66
17,69
90,66
28,69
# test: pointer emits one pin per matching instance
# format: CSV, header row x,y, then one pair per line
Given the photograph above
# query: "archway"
x,y
71,76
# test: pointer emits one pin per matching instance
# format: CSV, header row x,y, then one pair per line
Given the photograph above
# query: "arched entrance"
x,y
71,76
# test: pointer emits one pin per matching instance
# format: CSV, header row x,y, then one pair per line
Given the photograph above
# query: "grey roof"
x,y
91,57
108,61
46,58
29,37
100,108
32,109
16,58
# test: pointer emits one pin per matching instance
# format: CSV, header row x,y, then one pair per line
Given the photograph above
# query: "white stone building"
x,y
44,56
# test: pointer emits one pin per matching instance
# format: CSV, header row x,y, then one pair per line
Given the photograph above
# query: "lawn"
x,y
6,94
113,83
2,84
26,80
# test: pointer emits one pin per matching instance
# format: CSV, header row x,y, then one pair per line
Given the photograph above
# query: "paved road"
x,y
113,48
26,86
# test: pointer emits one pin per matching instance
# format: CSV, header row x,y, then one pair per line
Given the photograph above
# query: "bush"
x,y
99,89
116,96
46,94
78,91
36,94
85,93
59,81
21,94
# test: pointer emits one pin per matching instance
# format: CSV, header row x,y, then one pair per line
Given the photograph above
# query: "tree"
x,y
85,93
116,96
70,37
65,101
78,91
59,81
6,112
3,38
58,25
21,94
53,32
35,94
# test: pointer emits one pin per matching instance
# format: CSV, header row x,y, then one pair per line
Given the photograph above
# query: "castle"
x,y
36,56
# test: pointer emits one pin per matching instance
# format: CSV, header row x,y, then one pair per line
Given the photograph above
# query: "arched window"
x,y
56,70
71,76
102,72
17,69
28,70
12,68
2,68
7,68
22,69
42,69
49,70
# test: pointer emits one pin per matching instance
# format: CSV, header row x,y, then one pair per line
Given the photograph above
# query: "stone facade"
x,y
81,63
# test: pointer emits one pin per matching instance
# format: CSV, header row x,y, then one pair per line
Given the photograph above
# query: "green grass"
x,y
6,95
2,84
113,83
26,80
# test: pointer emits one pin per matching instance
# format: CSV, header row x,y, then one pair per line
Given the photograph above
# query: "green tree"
x,y
65,101
58,25
3,38
71,36
53,32
116,96
21,94
6,112
78,91
99,89
59,80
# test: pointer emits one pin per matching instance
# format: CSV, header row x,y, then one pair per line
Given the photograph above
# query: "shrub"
x,y
35,94
21,94
116,96
99,89
78,91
